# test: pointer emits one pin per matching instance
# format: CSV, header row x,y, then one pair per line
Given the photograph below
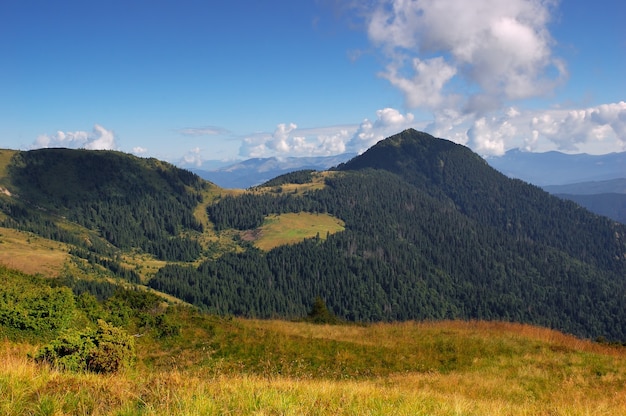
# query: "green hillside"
x,y
415,228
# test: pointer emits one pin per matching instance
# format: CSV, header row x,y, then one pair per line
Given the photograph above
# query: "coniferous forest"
x,y
431,232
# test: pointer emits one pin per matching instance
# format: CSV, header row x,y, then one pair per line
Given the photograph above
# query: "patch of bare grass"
x,y
292,228
31,254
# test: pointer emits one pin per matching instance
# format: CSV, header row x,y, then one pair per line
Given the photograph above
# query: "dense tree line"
x,y
248,211
297,177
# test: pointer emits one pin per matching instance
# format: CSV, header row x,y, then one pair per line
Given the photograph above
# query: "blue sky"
x,y
193,81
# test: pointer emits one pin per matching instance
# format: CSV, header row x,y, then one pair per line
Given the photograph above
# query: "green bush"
x,y
106,349
28,304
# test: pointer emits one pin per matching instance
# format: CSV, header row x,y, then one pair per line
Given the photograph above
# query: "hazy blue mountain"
x,y
613,186
256,171
555,168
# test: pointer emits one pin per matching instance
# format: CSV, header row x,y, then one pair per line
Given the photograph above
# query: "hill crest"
x,y
429,231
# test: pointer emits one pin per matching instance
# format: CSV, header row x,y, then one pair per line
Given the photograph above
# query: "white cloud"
x,y
98,139
138,150
425,87
289,140
488,136
192,158
595,130
596,127
497,50
388,121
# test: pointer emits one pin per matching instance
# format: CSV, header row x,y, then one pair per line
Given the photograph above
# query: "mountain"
x,y
556,168
613,186
254,172
102,202
419,228
431,232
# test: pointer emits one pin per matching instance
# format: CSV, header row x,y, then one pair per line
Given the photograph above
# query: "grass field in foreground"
x,y
495,369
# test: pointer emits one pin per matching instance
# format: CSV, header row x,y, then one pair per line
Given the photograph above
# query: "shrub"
x,y
106,349
28,304
320,314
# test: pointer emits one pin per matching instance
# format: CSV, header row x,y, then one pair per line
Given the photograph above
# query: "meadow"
x,y
292,228
235,366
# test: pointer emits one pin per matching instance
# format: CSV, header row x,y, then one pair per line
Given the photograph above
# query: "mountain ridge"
x,y
255,171
431,231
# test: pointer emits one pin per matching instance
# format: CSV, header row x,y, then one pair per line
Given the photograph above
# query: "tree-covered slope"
x,y
131,202
431,232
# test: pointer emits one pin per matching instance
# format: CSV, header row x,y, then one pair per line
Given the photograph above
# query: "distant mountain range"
x,y
555,168
597,182
252,172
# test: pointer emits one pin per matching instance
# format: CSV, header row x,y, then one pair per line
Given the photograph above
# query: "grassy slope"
x,y
222,366
293,228
31,254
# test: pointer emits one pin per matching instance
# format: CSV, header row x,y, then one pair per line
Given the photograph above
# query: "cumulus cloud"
x,y
471,64
138,150
192,158
499,50
388,121
289,140
98,139
425,87
571,130
595,130
489,136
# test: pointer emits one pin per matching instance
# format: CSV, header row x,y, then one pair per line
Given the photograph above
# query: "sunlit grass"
x,y
292,228
521,370
31,254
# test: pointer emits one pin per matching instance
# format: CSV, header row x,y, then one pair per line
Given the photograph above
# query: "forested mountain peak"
x,y
410,150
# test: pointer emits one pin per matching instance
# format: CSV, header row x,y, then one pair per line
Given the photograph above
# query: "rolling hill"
x,y
418,228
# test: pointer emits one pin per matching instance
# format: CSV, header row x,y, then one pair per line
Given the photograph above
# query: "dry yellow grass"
x,y
31,254
530,387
